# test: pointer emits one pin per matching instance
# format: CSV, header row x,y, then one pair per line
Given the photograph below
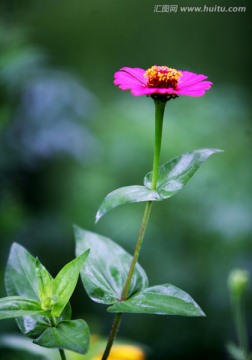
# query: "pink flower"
x,y
161,80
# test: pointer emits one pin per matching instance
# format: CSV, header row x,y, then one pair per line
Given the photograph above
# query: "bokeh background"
x,y
68,137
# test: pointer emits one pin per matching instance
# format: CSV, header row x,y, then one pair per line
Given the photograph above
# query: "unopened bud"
x,y
238,281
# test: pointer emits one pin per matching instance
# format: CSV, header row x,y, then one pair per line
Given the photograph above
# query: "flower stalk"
x,y
62,354
238,283
159,115
112,335
240,325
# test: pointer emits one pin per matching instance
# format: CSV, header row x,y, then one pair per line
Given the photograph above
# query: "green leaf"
x,y
20,275
236,353
105,271
45,286
174,174
20,343
65,282
33,326
161,300
21,279
16,306
125,195
70,335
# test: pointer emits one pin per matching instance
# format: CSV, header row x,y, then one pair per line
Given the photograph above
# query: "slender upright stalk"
x,y
159,115
240,324
137,249
62,354
112,335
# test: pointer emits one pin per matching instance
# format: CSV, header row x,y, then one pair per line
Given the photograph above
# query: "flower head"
x,y
161,80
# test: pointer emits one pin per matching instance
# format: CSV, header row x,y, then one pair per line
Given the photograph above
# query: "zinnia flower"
x,y
161,80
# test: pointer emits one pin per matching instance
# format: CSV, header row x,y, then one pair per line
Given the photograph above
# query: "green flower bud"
x,y
238,282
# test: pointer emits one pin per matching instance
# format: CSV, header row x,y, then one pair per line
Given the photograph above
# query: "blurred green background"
x,y
68,136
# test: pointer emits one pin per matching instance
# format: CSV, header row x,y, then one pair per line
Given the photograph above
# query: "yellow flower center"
x,y
162,77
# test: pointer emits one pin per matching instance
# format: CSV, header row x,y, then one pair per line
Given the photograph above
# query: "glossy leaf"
x,y
33,326
16,306
20,275
174,174
106,268
71,335
21,279
65,282
45,286
125,195
161,300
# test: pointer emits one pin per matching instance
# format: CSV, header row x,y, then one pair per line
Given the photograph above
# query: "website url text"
x,y
198,9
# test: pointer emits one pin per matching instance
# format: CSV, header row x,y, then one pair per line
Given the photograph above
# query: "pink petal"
x,y
140,91
136,73
204,85
188,78
151,91
125,81
188,92
128,78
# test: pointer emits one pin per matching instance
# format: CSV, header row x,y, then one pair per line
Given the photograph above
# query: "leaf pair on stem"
x,y
40,303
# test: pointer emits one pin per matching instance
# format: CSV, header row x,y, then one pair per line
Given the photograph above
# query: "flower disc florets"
x,y
162,77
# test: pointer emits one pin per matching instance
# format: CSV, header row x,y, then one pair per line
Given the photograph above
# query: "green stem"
x,y
137,249
112,335
240,325
159,115
62,354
